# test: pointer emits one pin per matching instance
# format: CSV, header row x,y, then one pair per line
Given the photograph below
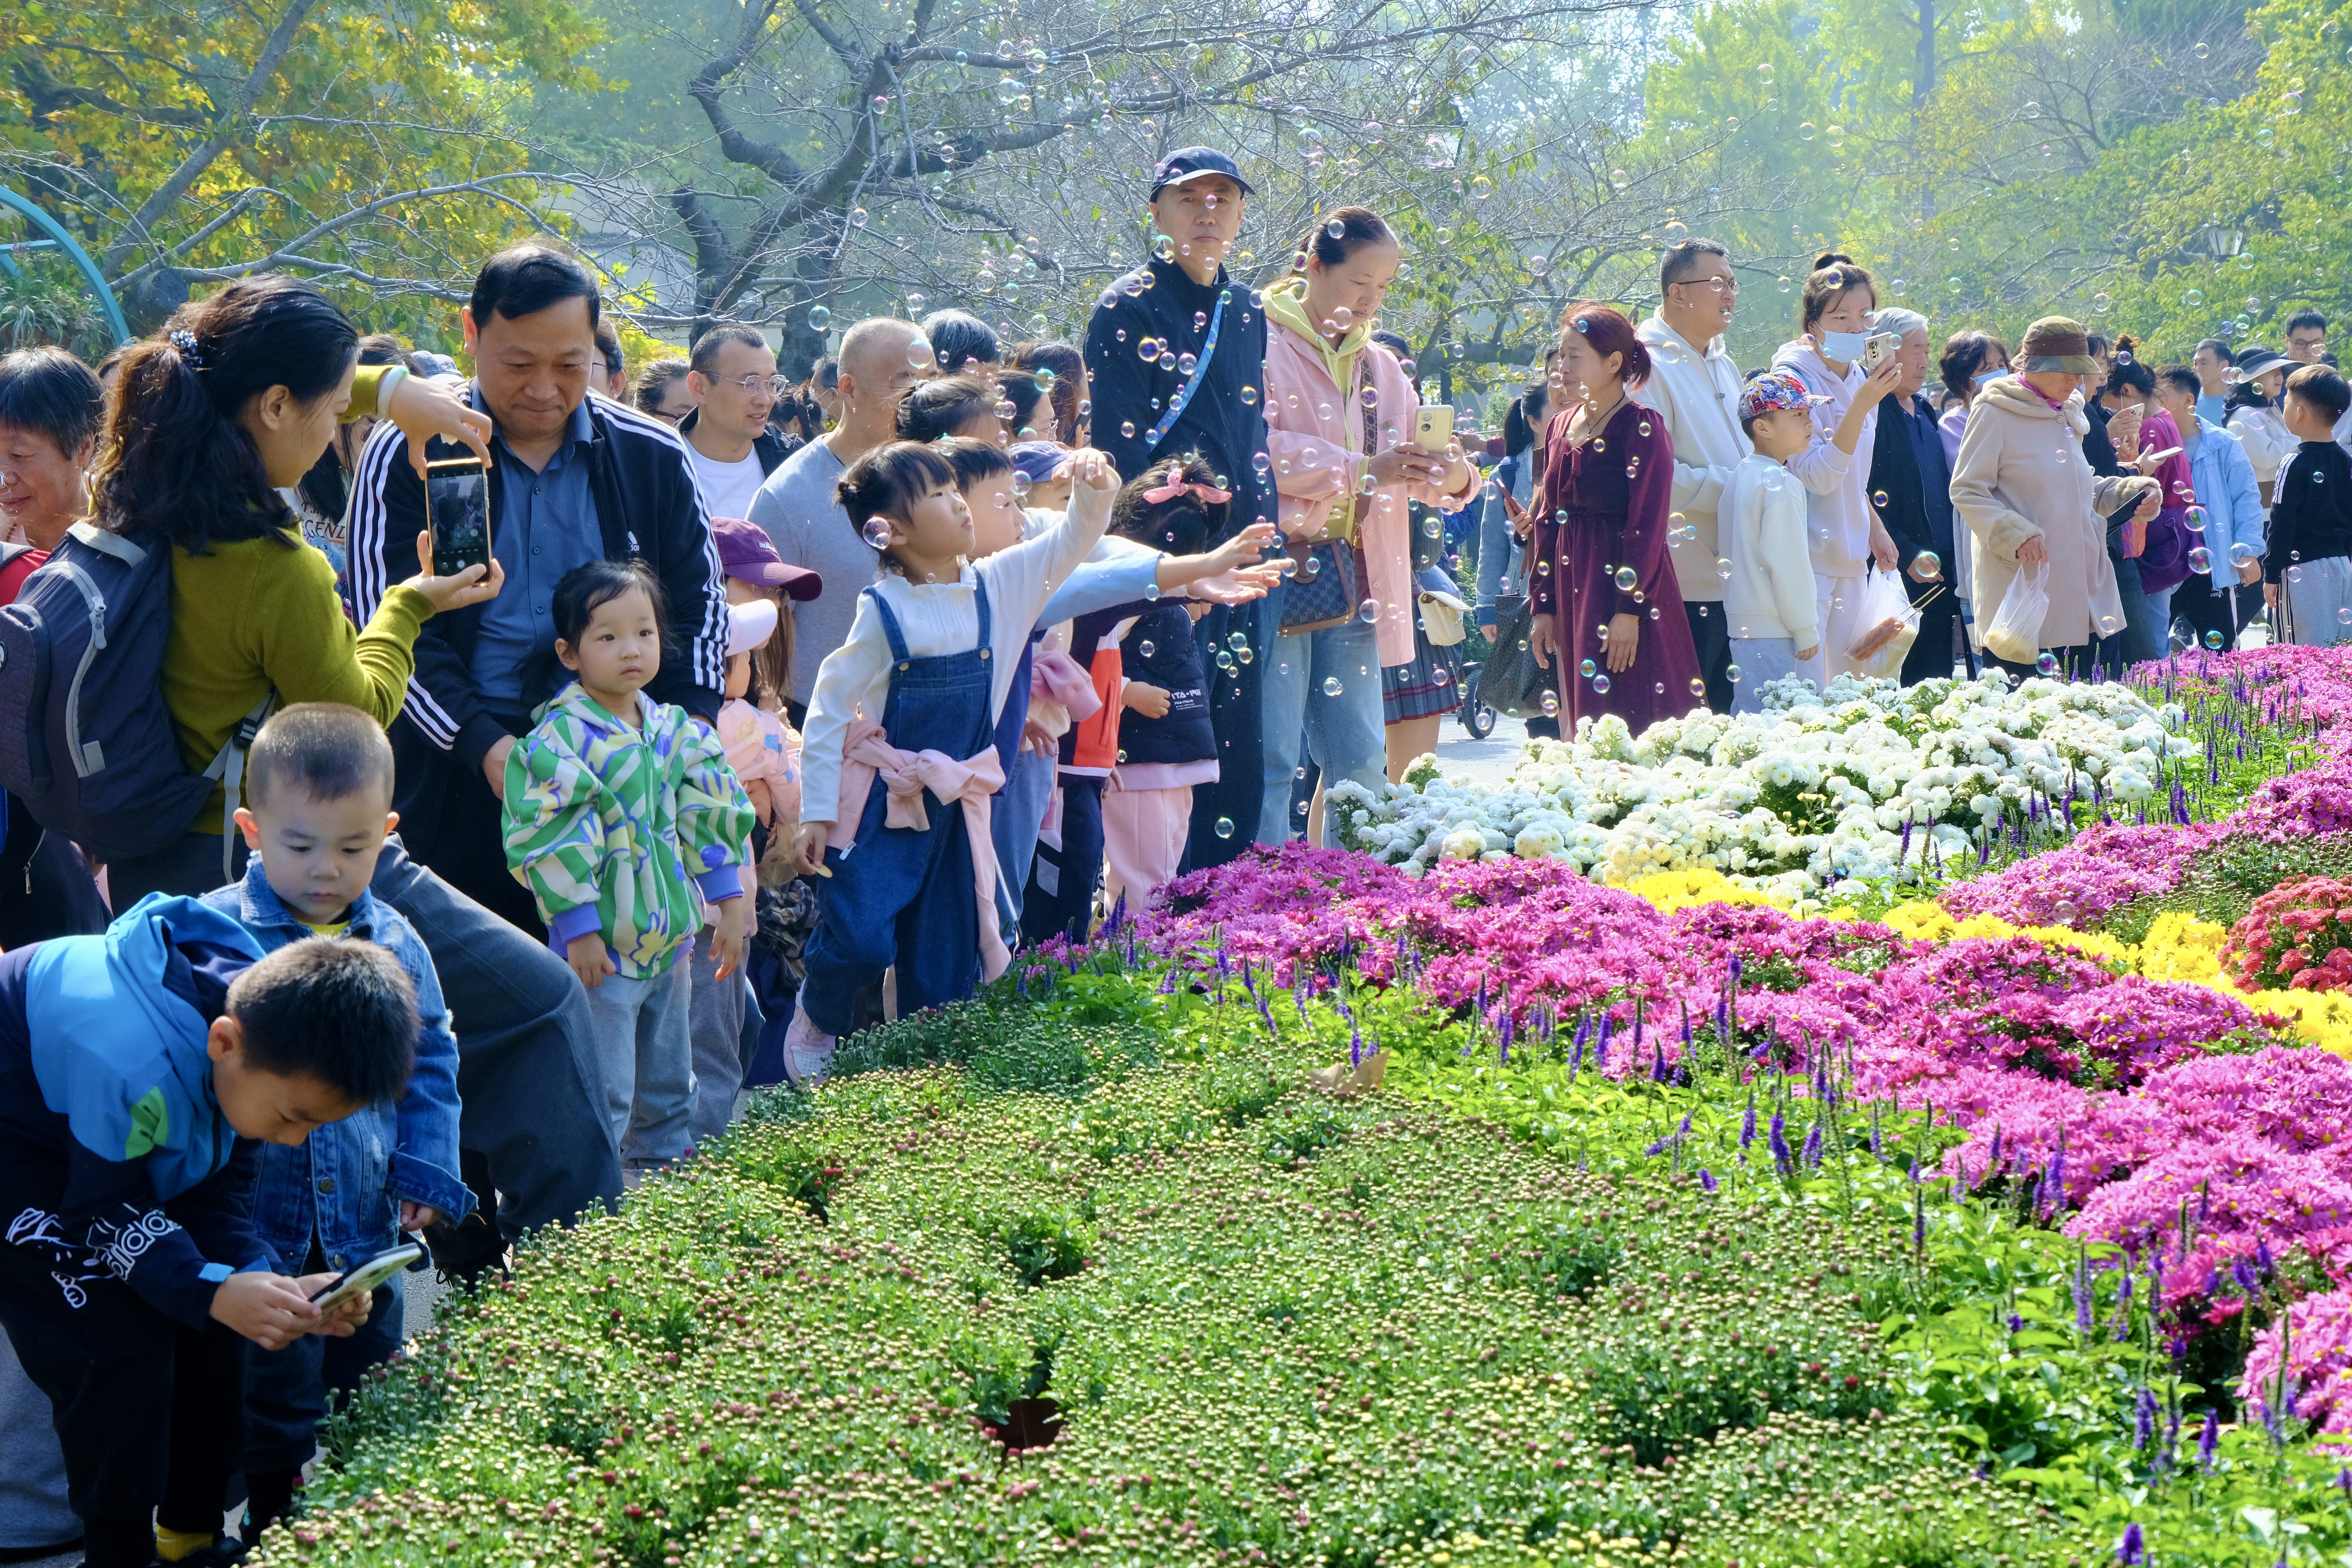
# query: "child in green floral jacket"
x,y
623,818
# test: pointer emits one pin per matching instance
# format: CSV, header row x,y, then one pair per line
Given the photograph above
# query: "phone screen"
x,y
1433,427
457,511
359,1281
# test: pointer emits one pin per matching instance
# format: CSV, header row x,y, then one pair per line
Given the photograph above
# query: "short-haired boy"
x,y
2308,555
1769,605
134,1067
317,793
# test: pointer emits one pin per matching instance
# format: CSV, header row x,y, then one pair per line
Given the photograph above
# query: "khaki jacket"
x,y
2020,474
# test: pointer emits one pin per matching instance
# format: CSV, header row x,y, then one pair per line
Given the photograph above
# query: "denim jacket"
x,y
1498,551
344,1181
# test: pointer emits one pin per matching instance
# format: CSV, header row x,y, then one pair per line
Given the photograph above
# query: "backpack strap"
x,y
228,768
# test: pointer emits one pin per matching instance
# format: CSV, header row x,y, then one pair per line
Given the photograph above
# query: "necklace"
x,y
1595,422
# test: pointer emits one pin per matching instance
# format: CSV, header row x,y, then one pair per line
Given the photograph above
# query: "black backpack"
x,y
89,749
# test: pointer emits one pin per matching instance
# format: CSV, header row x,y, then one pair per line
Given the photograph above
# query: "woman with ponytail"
x,y
206,425
1339,416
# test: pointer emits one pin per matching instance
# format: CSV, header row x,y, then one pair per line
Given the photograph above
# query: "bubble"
x,y
1550,703
1723,567
857,218
1805,131
1599,682
1677,232
1369,611
1836,136
1147,647
2067,913
1331,687
1126,429
2102,303
915,303
2200,560
1899,286
1249,396
1764,71
1481,188
2195,519
1587,669
2047,664
2202,51
1224,828
2343,614
1730,673
2213,639
1538,264
876,533
1237,642
1928,566
1878,498
819,317
2240,552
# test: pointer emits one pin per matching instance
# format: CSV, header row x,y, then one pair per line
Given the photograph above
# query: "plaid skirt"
x,y
1431,684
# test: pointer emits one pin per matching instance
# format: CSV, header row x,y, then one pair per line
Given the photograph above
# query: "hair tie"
x,y
1174,485
185,341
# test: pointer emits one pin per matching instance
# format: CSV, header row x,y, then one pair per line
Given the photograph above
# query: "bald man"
x,y
882,358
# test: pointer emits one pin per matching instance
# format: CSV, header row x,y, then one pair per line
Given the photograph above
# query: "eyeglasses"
x,y
773,385
1712,285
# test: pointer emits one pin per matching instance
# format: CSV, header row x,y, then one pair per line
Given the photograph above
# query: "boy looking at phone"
x,y
319,794
136,1069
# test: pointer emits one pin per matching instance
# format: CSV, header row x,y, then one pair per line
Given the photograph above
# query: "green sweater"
x,y
251,615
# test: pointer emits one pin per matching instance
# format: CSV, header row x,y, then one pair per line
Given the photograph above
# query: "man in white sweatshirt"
x,y
1694,383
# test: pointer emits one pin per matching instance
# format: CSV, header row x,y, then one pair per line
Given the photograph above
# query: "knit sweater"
x,y
253,615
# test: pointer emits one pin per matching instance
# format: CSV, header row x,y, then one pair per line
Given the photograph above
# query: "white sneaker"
x,y
808,1052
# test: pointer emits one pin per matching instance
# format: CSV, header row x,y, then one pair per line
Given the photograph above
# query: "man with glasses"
x,y
734,384
1696,387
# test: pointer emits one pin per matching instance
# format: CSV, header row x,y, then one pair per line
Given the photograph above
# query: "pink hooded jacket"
x,y
1314,433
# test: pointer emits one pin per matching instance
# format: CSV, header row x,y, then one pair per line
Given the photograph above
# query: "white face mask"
x,y
1843,347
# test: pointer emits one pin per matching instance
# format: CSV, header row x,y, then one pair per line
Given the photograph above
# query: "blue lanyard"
x,y
1159,433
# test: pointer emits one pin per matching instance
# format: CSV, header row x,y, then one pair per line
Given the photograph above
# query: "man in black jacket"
x,y
1911,486
1161,389
574,479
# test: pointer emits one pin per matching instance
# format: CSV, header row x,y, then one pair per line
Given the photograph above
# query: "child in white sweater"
x,y
1768,601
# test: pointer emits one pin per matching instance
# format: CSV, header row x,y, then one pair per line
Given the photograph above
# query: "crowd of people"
x,y
353,890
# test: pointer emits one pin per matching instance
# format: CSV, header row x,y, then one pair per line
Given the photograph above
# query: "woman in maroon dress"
x,y
1609,617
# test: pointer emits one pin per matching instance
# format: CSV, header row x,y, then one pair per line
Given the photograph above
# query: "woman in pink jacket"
x,y
1339,414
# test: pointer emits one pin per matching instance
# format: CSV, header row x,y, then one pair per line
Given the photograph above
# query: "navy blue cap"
x,y
1190,163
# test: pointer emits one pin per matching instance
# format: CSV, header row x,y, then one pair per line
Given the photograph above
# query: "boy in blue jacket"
x,y
136,1070
318,782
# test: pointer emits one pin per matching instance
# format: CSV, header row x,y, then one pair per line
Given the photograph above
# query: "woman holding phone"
x,y
209,424
1341,416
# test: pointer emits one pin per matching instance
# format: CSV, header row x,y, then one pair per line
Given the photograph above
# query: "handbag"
x,y
1326,583
1511,681
1441,619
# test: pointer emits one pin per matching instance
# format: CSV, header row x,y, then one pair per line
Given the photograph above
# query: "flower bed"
x,y
1889,785
1681,1228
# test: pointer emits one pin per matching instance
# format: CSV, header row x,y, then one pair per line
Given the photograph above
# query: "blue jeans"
x,y
1758,660
286,1390
1014,817
716,1025
644,1047
1325,686
2148,617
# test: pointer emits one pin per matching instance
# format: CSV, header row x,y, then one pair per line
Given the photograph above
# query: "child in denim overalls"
x,y
907,709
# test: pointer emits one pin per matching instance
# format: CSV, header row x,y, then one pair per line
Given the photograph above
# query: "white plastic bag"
x,y
1884,625
2015,633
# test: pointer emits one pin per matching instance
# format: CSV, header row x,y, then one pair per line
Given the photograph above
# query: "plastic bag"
x,y
2015,634
1884,625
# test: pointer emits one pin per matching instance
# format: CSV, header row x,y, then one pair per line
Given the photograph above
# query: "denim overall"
x,y
898,896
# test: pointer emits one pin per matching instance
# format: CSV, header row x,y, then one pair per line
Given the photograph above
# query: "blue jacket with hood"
x,y
115,1158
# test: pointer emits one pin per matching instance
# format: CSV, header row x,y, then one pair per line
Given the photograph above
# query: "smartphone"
x,y
1433,427
1878,348
2160,457
359,1281
457,511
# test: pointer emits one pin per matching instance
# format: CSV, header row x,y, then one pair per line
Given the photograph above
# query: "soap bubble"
x,y
915,303
1928,566
876,533
1600,683
1249,396
1723,567
2343,614
1369,611
819,317
1147,647
1805,131
2213,639
1697,687
1224,828
2195,520
2066,913
1550,704
1626,578
1331,687
1878,498
2047,664
1730,673
1587,669
2240,552
2200,560
1238,641
1764,71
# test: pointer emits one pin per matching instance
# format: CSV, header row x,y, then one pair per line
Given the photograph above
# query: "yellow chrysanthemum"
x,y
1670,890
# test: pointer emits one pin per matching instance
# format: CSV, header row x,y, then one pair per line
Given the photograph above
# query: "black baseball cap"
x,y
1191,164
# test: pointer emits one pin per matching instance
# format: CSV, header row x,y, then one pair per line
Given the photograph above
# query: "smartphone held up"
x,y
457,511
